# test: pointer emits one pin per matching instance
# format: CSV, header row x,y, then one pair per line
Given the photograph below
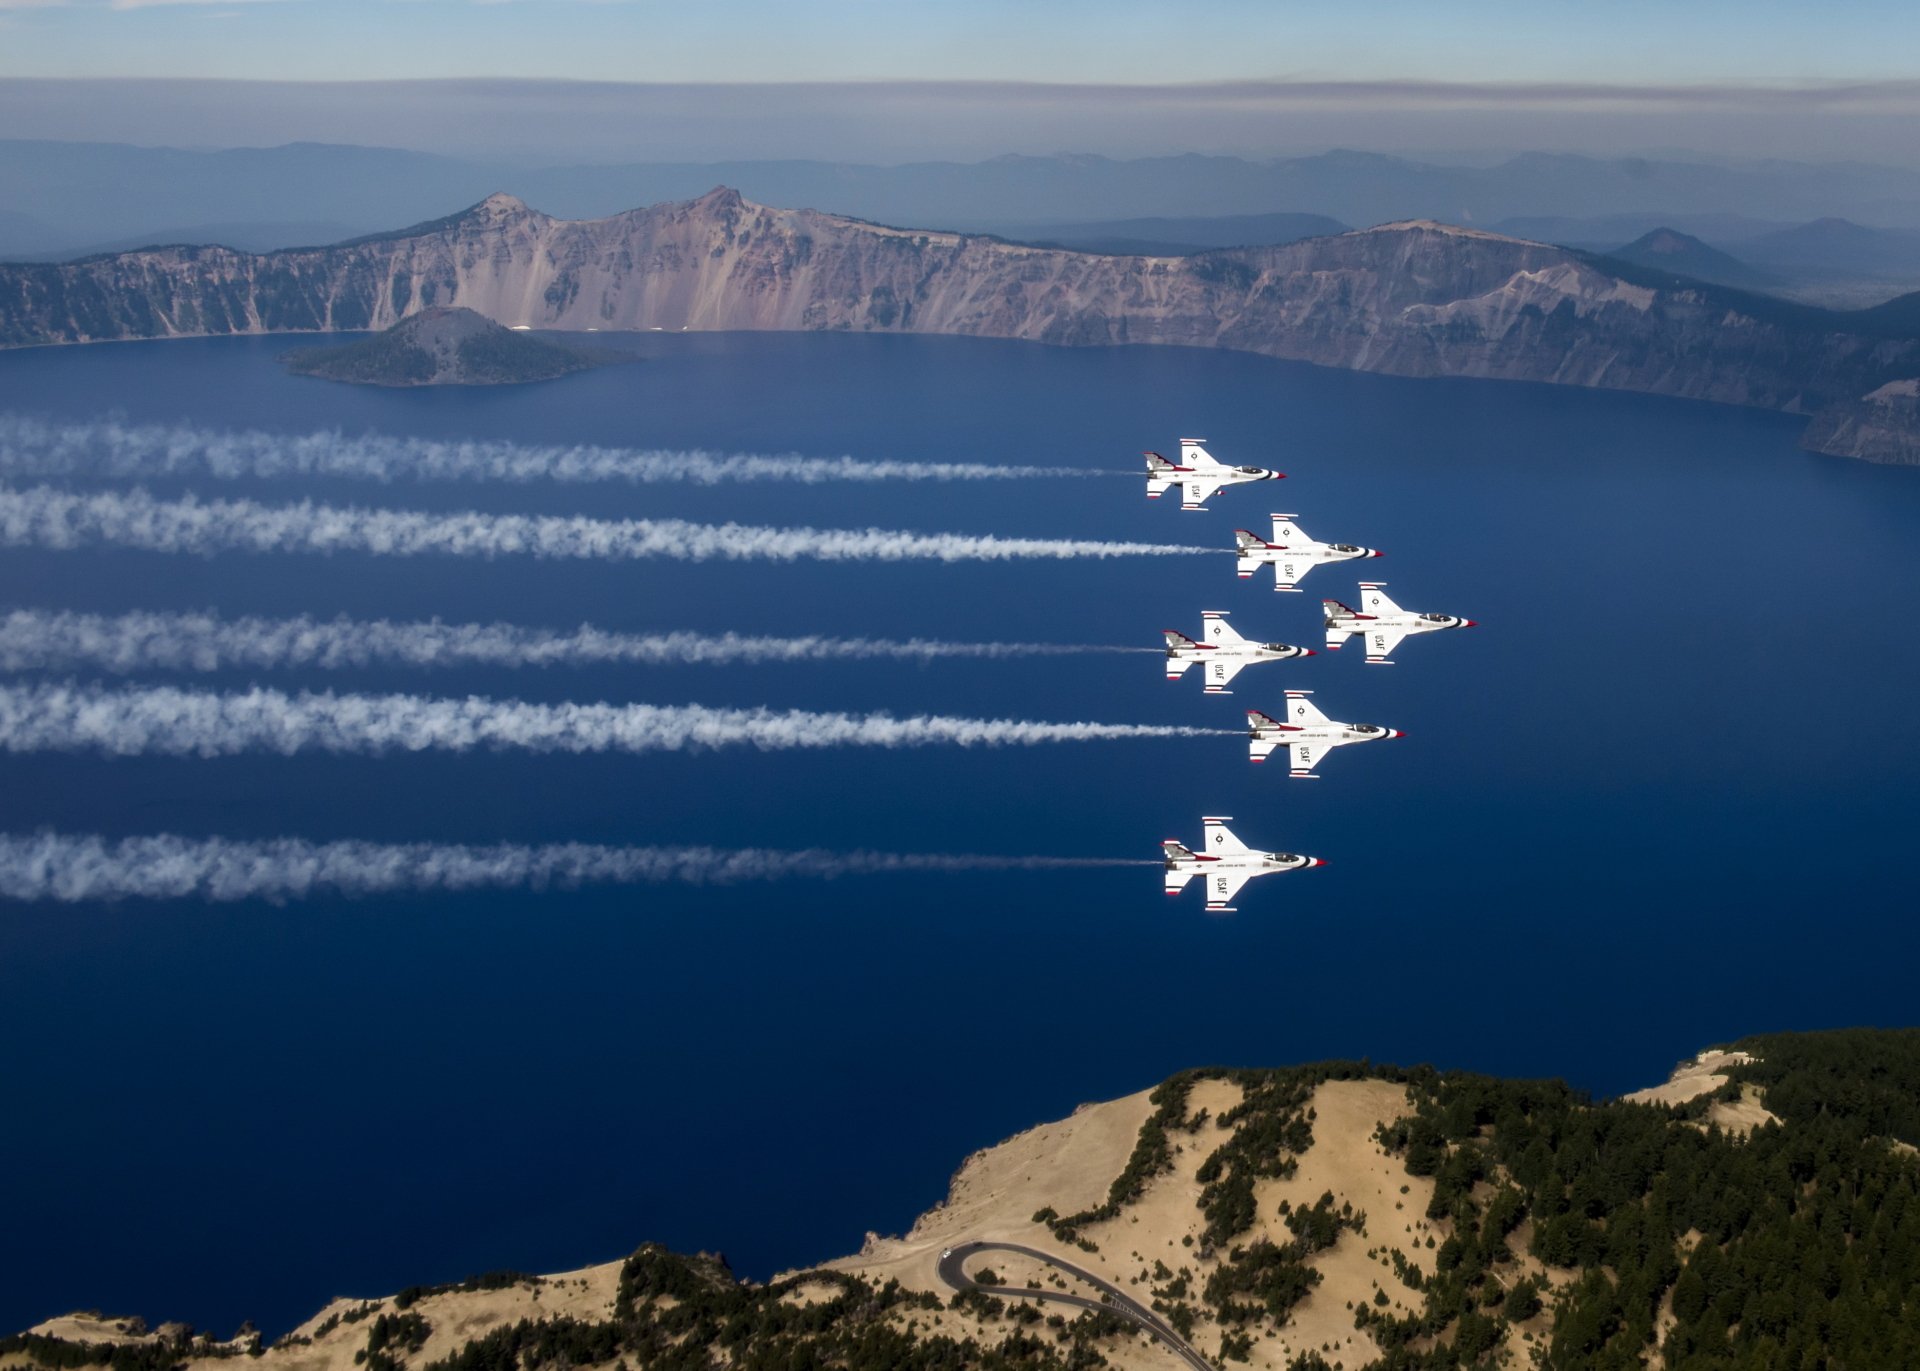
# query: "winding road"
x,y
1117,1301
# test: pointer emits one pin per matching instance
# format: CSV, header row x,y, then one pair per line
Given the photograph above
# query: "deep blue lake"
x,y
1663,797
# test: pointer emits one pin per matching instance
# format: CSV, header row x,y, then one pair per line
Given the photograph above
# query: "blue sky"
x,y
1129,41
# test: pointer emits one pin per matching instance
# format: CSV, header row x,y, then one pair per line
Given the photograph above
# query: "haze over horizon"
x,y
855,80
540,120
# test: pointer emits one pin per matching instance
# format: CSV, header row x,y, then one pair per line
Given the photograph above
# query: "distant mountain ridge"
x,y
70,196
1166,236
1669,250
1414,299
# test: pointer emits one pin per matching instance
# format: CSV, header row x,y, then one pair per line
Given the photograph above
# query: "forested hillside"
x,y
1771,1221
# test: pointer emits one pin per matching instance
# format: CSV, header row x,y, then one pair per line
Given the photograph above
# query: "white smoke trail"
x,y
202,723
35,447
52,866
45,640
41,516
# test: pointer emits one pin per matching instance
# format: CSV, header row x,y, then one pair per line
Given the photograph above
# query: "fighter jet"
x,y
1224,652
1224,864
1198,475
1308,735
1380,622
1292,554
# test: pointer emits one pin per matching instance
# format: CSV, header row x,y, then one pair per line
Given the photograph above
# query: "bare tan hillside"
x,y
1339,1212
1068,1165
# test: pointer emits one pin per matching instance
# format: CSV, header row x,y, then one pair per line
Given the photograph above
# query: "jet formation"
x,y
1224,863
1198,475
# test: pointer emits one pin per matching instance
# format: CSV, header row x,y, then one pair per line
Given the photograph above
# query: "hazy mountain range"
x,y
1415,298
68,197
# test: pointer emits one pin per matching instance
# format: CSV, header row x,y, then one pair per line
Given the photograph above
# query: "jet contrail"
x,y
203,723
35,447
41,516
53,866
49,640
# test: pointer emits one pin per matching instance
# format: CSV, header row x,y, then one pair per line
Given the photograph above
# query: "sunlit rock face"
x,y
1415,298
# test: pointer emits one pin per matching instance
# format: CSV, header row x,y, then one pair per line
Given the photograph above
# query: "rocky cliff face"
x,y
1416,299
1881,427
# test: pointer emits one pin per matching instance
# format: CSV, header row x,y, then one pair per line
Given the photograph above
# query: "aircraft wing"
x,y
1222,886
1375,599
1194,490
1220,841
1306,756
1287,572
1382,641
1259,748
1301,710
1221,670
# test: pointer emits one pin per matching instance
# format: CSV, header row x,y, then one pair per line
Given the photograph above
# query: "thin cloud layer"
x,y
896,121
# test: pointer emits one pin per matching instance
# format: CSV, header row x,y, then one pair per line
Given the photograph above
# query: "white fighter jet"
x,y
1198,475
1291,554
1223,652
1380,622
1307,734
1224,864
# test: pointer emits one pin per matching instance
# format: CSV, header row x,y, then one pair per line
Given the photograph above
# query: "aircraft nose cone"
x,y
1396,733
1469,623
1306,652
1375,552
1317,861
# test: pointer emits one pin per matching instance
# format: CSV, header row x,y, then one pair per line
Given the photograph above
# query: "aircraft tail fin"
x,y
1340,623
1249,547
1177,666
1176,881
1162,475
